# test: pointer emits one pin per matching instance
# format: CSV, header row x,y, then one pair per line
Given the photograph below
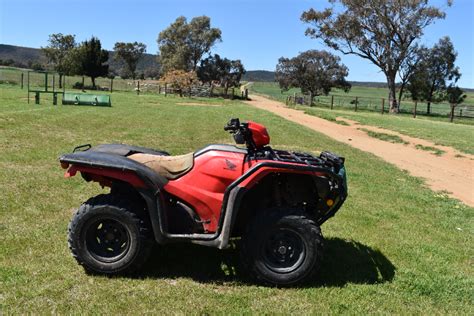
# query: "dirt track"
x,y
452,172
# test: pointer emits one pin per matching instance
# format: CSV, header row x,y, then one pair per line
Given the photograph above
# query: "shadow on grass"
x,y
344,262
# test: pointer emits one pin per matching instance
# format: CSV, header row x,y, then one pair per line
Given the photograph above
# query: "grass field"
x,y
432,128
369,99
395,246
459,136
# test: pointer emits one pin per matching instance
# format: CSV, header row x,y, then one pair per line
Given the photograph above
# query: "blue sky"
x,y
258,32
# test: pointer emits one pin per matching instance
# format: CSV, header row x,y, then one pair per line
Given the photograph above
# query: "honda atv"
x,y
273,200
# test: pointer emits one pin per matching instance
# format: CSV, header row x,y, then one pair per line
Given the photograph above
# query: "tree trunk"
x,y
392,94
60,81
400,93
430,98
93,82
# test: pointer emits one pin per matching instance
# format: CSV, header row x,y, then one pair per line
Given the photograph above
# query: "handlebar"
x,y
239,131
233,125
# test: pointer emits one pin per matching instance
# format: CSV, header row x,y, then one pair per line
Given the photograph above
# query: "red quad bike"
x,y
274,200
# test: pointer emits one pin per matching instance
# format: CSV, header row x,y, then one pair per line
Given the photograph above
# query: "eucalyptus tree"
x,y
381,31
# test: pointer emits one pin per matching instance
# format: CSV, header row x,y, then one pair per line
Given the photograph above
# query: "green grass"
x,y
434,150
394,247
369,99
385,137
458,136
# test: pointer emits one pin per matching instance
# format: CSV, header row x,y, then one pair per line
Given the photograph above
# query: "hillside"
x,y
24,57
259,75
27,57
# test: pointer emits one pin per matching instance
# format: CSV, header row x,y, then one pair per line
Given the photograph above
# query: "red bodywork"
x,y
204,186
259,134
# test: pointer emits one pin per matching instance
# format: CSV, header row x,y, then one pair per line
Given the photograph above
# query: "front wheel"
x,y
282,247
107,236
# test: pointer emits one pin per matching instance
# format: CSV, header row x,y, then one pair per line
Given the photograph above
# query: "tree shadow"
x,y
343,262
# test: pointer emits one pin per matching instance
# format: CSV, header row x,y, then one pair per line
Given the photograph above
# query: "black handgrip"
x,y
232,125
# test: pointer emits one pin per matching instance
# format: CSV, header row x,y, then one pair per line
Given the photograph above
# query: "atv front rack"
x,y
325,159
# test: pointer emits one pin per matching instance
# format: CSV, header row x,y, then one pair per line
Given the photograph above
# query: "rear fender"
x,y
107,168
105,177
104,165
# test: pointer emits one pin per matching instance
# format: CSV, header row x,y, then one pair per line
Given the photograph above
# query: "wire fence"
x,y
38,81
381,105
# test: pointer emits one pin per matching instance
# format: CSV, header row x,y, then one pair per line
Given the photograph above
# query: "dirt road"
x,y
452,172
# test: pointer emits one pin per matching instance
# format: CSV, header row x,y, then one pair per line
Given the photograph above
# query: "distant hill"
x,y
259,75
25,57
22,56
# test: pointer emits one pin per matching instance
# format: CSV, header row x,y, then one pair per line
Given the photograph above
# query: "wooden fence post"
x,y
451,119
232,96
383,104
111,85
414,110
22,81
138,87
460,112
332,101
166,91
357,101
246,94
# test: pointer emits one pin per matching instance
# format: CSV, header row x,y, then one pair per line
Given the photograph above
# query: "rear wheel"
x,y
282,247
107,236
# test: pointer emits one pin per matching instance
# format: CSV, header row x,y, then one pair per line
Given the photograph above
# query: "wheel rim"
x,y
107,239
284,250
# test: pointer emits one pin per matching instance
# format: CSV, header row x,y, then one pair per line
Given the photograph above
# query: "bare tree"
x,y
381,31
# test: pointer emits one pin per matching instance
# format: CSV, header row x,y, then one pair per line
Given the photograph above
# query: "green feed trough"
x,y
86,99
